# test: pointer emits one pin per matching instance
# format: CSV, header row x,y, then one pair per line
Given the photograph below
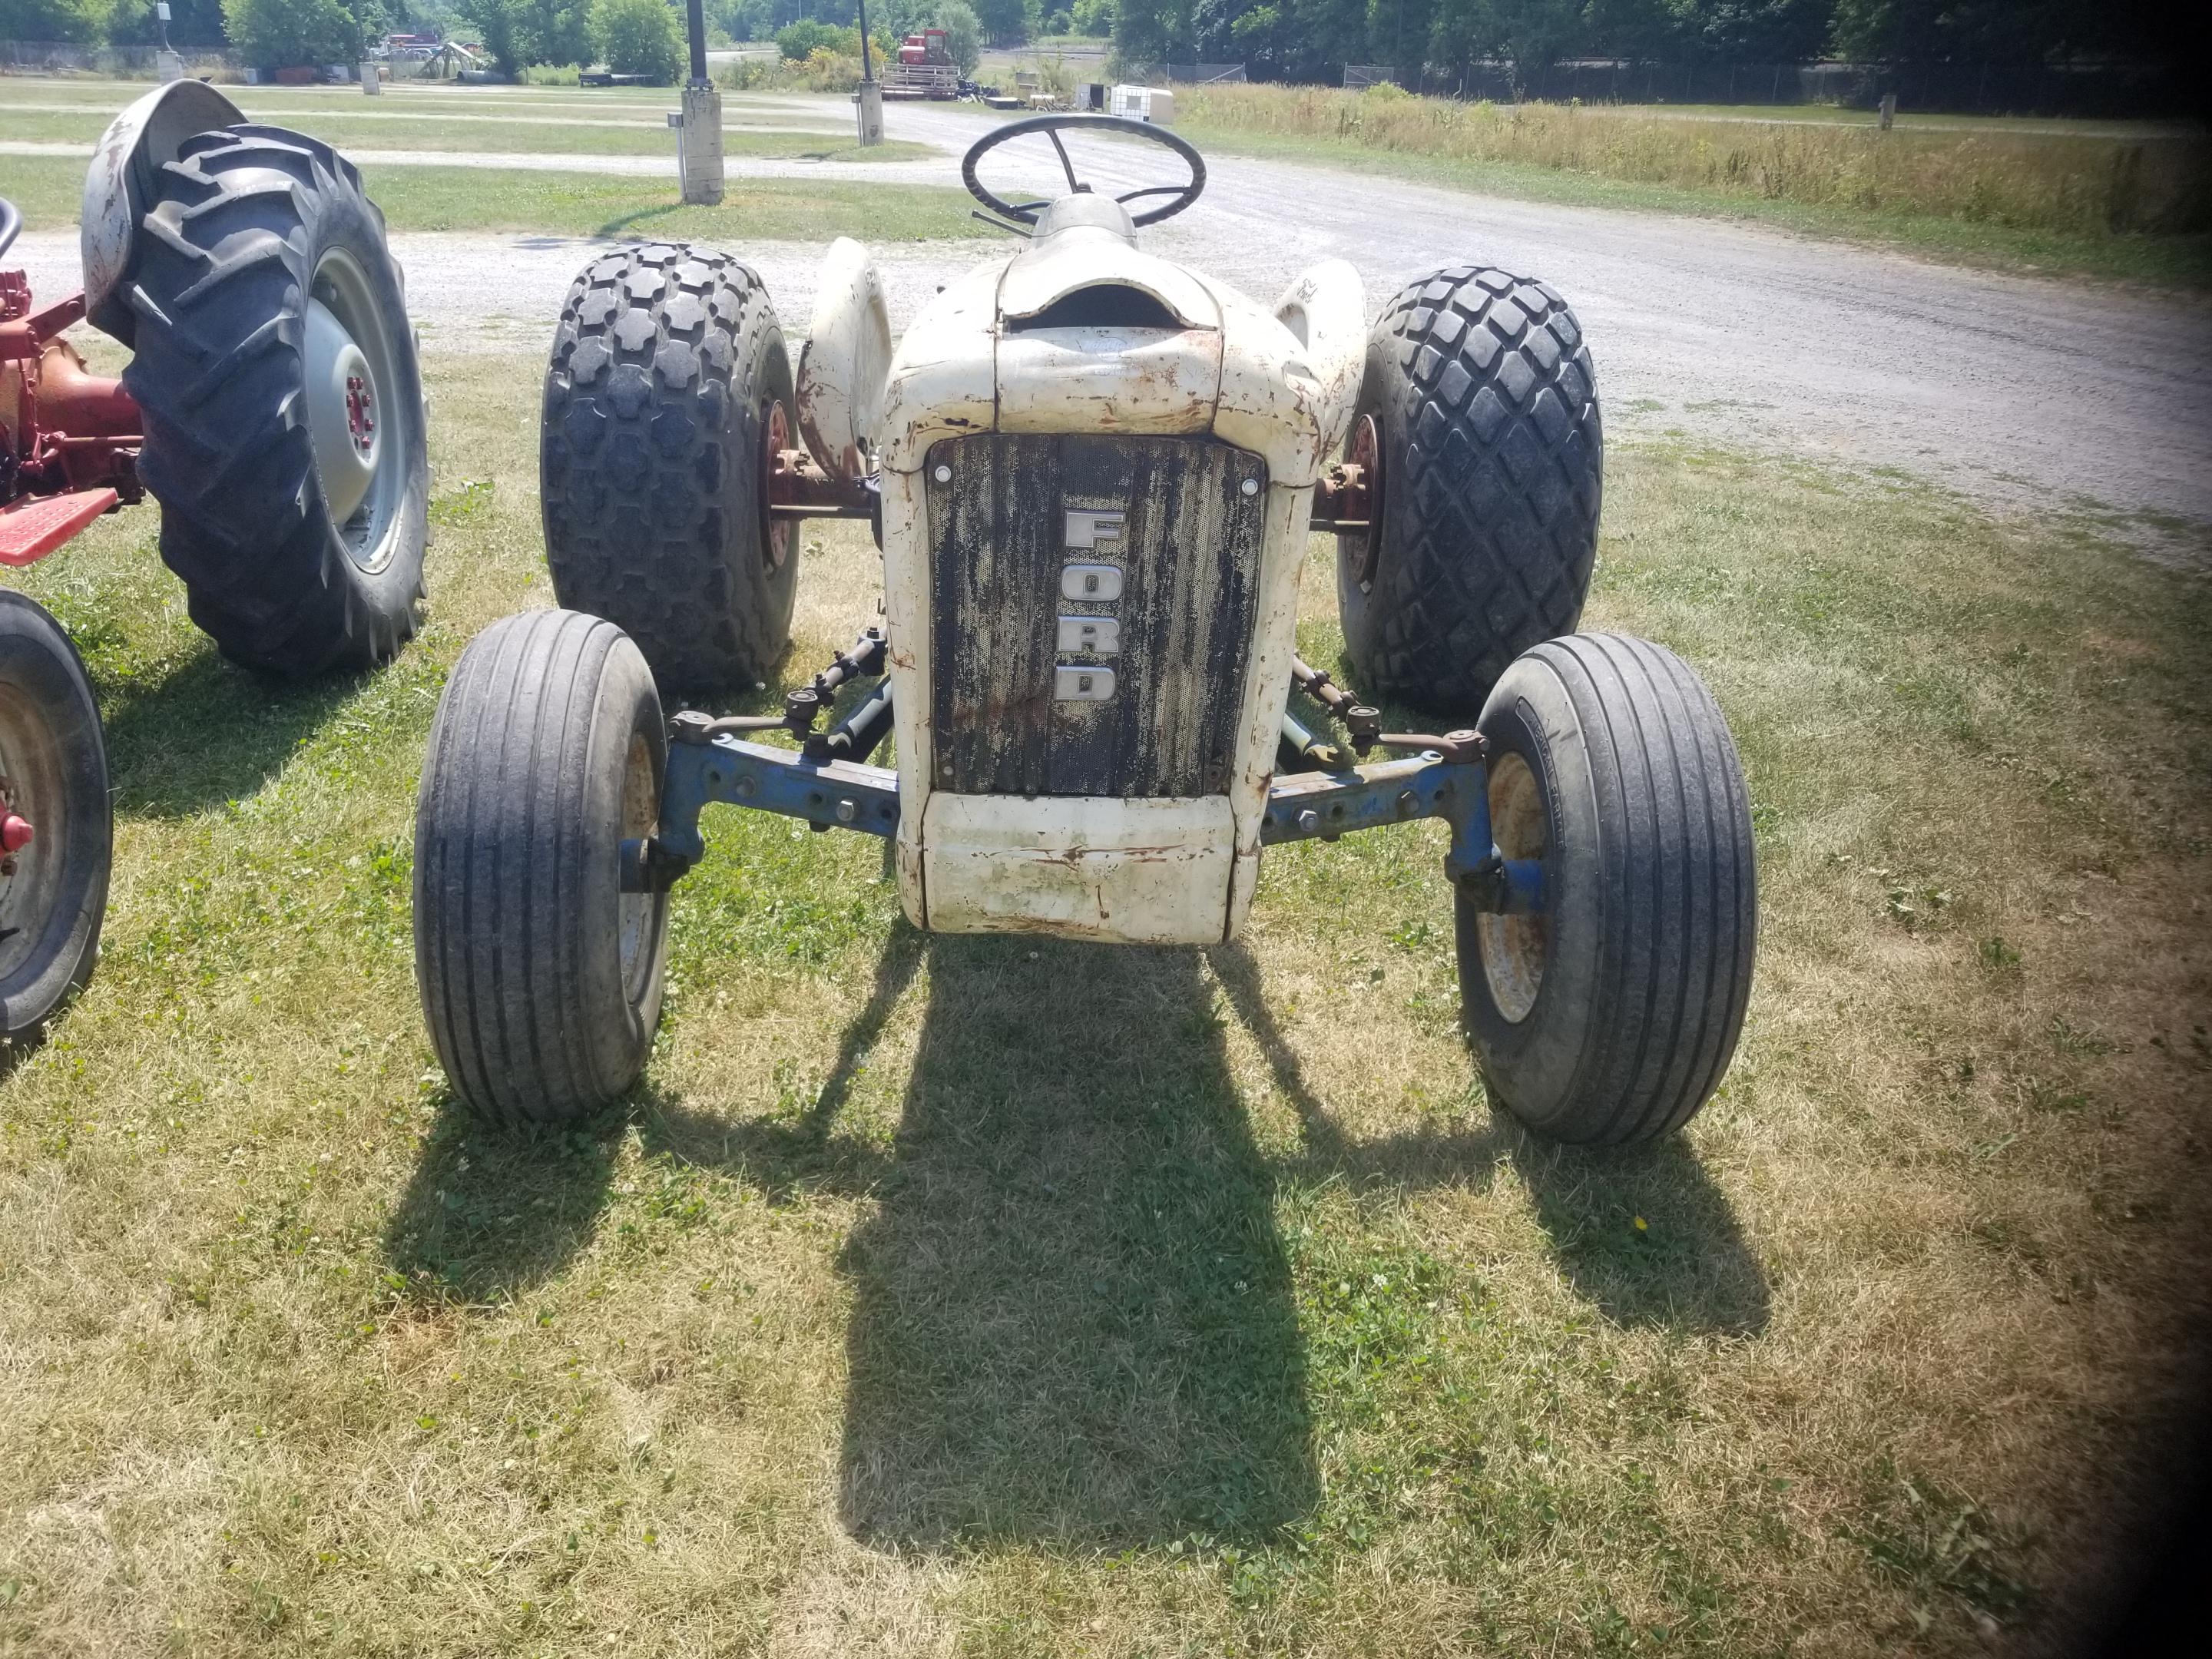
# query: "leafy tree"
x,y
64,22
287,33
1005,22
520,33
799,41
964,33
638,37
191,22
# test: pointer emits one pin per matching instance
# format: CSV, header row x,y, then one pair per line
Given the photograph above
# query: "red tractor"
x,y
273,407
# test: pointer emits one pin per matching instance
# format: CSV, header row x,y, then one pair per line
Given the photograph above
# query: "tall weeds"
x,y
2026,181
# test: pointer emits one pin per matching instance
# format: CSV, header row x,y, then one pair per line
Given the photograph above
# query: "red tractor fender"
x,y
120,184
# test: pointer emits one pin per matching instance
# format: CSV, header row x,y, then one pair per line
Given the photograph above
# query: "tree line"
x,y
1310,40
1305,40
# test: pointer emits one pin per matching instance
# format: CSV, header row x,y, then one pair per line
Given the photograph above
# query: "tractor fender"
x,y
1327,308
845,363
121,183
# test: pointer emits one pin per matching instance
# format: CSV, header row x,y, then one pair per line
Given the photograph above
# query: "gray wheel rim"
x,y
640,913
361,425
32,788
1512,946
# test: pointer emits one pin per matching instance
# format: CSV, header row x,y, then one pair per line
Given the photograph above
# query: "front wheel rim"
x,y
639,912
359,424
32,788
1512,946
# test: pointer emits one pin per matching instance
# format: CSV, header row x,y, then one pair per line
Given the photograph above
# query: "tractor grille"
x,y
1094,605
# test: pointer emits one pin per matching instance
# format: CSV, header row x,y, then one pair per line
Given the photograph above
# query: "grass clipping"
x,y
1014,1296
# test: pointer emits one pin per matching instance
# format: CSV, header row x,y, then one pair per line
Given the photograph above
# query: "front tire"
x,y
284,426
1479,408
53,780
541,978
1611,1015
667,389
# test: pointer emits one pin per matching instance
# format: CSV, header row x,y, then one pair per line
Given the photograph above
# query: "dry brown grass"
x,y
992,1298
2076,184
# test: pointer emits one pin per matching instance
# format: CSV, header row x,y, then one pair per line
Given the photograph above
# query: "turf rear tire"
x,y
541,979
1484,421
1611,1016
668,383
53,774
253,228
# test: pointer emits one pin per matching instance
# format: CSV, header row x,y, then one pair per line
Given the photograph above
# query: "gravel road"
x,y
2020,392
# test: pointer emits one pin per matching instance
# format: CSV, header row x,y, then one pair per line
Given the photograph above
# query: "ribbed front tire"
x,y
53,783
541,979
1612,1015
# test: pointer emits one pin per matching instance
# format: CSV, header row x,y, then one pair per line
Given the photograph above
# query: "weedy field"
x,y
2103,199
1005,1297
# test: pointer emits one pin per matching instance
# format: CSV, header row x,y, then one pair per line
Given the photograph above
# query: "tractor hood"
x,y
1083,332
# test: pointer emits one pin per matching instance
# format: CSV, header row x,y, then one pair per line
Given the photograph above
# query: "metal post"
x,y
868,101
694,20
699,137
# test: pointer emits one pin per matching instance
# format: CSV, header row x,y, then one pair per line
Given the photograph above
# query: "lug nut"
x,y
16,833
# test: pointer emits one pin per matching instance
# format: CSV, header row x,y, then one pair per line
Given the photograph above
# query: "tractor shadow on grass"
x,y
208,731
1688,1268
1073,1319
487,1215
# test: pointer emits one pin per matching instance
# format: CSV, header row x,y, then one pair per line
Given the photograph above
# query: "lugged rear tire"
x,y
53,774
1611,1016
667,386
1485,424
541,979
250,225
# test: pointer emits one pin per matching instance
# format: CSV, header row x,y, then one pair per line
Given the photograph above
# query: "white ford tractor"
x,y
1093,474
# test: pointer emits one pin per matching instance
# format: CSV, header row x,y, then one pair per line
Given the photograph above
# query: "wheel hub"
x,y
775,438
1366,454
342,412
1512,946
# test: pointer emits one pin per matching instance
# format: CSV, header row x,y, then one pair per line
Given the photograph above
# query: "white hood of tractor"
x,y
1083,332
1213,361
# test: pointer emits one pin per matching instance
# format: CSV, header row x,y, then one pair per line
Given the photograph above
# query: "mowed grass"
x,y
1005,1297
49,190
2105,204
466,134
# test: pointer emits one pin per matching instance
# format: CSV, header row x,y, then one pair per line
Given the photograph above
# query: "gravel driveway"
x,y
2018,390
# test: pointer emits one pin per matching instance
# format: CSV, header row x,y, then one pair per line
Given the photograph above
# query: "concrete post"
x,y
699,143
371,84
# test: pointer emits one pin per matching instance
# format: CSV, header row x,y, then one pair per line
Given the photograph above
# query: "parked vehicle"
x,y
273,408
1092,472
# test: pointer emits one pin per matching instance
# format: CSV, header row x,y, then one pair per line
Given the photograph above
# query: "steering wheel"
x,y
1025,213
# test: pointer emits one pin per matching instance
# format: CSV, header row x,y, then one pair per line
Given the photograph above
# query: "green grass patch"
x,y
1006,1296
48,189
611,135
